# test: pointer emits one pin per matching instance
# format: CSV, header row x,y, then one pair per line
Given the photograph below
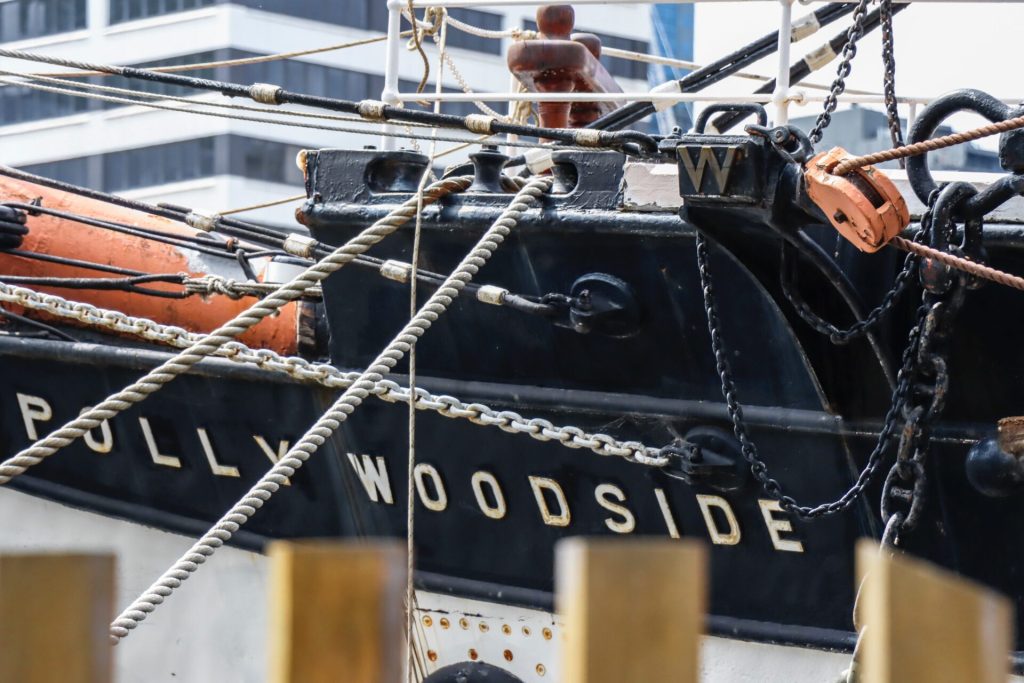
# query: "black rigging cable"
x,y
718,70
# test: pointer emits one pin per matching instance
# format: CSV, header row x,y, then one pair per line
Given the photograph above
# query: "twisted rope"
x,y
286,467
966,265
329,376
179,364
926,146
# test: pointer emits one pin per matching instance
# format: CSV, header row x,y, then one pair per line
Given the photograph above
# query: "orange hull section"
x,y
59,237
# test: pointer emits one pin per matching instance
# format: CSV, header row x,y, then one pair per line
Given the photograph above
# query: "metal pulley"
x,y
863,205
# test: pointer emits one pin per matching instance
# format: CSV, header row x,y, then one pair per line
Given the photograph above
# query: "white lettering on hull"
x,y
732,535
373,473
496,511
34,409
775,526
439,501
666,512
541,484
154,452
282,450
105,443
627,523
216,467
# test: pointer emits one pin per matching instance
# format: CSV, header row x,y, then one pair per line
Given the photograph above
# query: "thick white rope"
x,y
330,377
331,420
206,346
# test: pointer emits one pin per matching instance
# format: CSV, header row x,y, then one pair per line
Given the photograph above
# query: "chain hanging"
x,y
854,34
889,79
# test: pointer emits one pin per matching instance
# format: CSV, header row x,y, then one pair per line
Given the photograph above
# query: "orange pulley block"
x,y
863,205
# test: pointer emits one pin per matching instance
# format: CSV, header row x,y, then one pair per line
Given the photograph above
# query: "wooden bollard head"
x,y
556,21
560,61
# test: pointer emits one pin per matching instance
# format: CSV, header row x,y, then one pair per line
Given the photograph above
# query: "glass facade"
x,y
371,15
23,19
19,104
178,161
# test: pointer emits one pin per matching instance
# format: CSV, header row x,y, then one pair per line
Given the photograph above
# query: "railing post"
x,y
394,48
54,614
780,98
924,625
337,612
633,609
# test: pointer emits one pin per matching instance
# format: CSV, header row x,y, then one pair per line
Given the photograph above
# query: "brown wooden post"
x,y
926,625
54,614
337,612
633,609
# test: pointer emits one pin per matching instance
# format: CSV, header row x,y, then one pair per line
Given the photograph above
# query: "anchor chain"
x,y
922,373
854,34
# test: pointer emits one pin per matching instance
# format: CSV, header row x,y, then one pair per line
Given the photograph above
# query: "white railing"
x,y
781,98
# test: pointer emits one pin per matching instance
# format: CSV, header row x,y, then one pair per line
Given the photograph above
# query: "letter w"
x,y
704,159
374,475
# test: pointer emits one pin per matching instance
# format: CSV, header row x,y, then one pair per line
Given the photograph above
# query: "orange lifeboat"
x,y
58,237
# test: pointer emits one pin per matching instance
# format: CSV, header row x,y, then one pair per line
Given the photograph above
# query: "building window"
x,y
19,104
485,20
179,161
622,68
22,19
129,10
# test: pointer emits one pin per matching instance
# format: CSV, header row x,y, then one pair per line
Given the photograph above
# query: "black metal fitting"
x,y
791,142
936,277
488,164
603,304
992,471
707,456
12,227
1011,145
756,109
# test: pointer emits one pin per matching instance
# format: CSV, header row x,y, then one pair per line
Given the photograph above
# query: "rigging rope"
x,y
926,146
242,61
632,141
179,364
254,119
362,387
966,265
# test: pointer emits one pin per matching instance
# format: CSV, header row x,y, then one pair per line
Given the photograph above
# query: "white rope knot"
x,y
371,109
587,137
479,124
264,93
396,270
213,284
300,245
200,220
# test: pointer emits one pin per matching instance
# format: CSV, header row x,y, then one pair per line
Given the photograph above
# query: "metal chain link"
x,y
747,447
889,78
843,71
789,285
329,376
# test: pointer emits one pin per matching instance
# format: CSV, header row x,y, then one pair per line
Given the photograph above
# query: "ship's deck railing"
x,y
781,98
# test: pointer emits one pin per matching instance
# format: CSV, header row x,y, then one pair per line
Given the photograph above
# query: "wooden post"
x,y
54,614
926,625
633,609
337,612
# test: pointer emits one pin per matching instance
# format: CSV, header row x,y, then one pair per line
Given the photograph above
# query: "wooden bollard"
x,y
54,614
337,612
926,625
633,609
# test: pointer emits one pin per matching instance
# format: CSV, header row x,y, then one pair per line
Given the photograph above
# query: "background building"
x,y
863,131
216,163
